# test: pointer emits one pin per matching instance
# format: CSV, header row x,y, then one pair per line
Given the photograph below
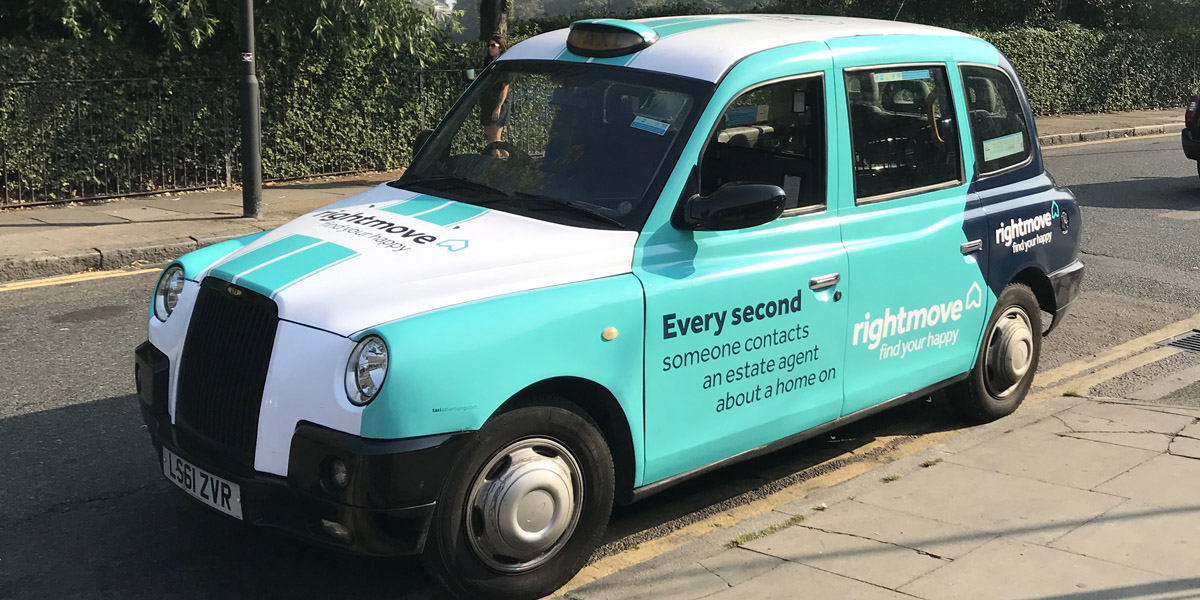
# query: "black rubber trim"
x,y
658,486
1066,283
151,373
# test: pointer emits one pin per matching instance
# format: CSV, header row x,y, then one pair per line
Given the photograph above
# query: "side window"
x,y
902,129
997,119
774,134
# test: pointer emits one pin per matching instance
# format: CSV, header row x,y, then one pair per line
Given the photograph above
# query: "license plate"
x,y
218,493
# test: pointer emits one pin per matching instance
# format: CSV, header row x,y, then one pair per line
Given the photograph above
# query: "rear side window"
x,y
774,134
902,130
997,119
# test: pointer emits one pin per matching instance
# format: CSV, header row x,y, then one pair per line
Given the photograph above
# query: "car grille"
x,y
223,369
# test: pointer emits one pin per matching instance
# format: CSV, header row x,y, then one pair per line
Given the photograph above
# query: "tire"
x,y
546,453
1007,359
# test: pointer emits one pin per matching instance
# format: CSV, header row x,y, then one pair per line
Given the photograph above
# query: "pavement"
x,y
1072,499
47,241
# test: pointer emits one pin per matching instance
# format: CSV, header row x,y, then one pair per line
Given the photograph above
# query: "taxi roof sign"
x,y
606,38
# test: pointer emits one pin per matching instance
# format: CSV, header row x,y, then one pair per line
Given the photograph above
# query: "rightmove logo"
x,y
1023,234
872,332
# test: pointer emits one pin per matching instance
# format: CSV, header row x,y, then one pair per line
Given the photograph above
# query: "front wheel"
x,y
1007,359
525,507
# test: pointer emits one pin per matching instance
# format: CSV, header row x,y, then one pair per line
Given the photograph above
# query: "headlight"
x,y
166,294
366,370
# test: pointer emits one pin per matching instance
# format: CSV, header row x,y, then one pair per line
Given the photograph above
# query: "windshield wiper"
x,y
458,181
552,204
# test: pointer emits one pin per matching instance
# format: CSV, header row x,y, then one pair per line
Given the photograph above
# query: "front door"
x,y
744,335
918,298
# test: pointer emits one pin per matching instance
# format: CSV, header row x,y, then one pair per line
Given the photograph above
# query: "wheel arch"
x,y
1039,283
603,408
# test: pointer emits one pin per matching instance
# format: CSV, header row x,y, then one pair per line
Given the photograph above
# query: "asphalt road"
x,y
87,514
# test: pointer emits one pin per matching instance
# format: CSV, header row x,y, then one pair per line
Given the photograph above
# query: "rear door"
x,y
917,296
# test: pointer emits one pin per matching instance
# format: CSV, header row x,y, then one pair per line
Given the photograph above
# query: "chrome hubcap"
x,y
524,505
1009,352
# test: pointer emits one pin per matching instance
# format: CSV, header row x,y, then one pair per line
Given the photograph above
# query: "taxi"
x,y
692,241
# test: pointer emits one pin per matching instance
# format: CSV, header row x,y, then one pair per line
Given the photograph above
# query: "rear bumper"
x,y
1191,145
387,506
1066,283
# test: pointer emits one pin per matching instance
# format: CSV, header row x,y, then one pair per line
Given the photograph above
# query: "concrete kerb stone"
x,y
120,258
20,268
634,579
1102,134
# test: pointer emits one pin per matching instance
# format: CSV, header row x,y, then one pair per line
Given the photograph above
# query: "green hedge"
x,y
83,119
1076,70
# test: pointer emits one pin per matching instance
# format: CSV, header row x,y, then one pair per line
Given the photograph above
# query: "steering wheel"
x,y
522,158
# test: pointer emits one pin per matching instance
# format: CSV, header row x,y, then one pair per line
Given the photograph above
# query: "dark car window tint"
x,y
997,119
775,135
902,129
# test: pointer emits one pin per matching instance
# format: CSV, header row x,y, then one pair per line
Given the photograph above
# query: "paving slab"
x,y
886,525
1154,442
879,563
792,582
737,565
65,216
1185,447
992,502
142,214
1053,458
1191,431
691,581
1007,569
1104,416
1161,540
1163,481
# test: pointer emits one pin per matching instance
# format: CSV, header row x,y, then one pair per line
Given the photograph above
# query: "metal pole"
x,y
251,129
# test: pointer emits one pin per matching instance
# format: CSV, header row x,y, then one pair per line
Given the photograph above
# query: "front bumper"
x,y
1191,145
387,506
1066,283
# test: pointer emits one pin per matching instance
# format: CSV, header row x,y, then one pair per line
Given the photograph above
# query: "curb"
x,y
1107,134
98,259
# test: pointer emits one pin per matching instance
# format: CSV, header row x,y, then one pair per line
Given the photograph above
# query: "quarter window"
x,y
902,129
774,134
997,119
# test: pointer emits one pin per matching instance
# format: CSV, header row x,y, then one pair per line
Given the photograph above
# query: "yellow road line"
x,y
1111,140
1133,353
65,279
1124,349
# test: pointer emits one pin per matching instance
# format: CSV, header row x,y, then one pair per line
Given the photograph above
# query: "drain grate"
x,y
1189,341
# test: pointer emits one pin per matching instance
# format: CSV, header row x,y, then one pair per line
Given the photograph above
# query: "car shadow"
x,y
1156,193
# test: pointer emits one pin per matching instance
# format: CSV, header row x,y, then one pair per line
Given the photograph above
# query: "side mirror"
x,y
422,137
733,206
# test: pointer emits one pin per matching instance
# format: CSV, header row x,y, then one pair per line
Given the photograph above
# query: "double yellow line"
x,y
74,278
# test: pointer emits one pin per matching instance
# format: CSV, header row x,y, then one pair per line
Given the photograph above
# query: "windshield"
x,y
579,144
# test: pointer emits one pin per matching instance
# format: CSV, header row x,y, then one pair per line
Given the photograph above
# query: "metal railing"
x,y
89,139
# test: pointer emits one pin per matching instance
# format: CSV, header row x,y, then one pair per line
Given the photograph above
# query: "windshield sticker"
x,y
651,125
901,76
745,115
1003,146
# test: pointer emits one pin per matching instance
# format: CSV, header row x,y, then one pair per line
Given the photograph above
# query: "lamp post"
x,y
251,129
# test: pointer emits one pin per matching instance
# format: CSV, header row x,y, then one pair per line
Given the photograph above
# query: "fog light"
x,y
337,530
339,475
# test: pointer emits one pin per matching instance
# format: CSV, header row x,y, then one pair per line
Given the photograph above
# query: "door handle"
x,y
824,281
971,246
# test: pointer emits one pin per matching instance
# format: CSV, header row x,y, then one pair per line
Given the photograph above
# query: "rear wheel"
x,y
1007,360
526,506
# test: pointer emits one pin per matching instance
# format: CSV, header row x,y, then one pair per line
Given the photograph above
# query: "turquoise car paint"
x,y
437,211
263,255
281,264
917,326
508,343
719,383
196,261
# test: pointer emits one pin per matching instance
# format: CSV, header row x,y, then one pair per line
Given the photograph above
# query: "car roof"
x,y
707,46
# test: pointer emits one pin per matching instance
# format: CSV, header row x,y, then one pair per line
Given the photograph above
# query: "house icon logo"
x,y
974,297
